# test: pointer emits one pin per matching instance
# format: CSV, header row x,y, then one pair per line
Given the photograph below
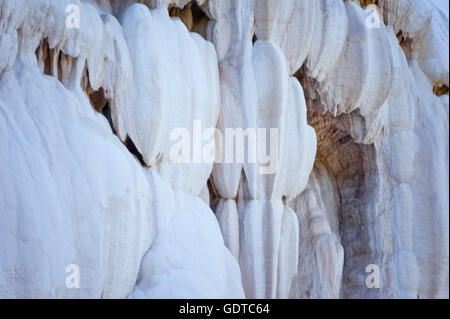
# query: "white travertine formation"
x,y
165,55
71,192
57,211
89,116
321,255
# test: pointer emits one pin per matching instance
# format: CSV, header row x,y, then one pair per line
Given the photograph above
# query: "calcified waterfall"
x,y
95,201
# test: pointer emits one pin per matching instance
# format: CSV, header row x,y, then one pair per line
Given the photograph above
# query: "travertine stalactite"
x,y
356,90
269,98
321,255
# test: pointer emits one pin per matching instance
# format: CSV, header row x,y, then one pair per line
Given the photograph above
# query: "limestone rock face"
x,y
224,149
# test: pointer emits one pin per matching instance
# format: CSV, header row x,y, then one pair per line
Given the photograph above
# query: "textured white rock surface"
x,y
166,56
71,191
362,114
188,258
58,211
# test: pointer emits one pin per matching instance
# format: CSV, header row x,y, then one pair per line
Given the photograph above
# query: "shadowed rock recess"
x,y
94,94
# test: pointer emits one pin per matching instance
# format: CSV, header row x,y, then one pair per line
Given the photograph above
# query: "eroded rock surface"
x,y
357,92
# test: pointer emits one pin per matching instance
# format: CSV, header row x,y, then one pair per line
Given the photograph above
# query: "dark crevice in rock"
x,y
381,4
133,150
365,3
107,113
193,17
406,43
43,57
197,12
213,196
53,66
440,89
54,62
99,102
309,86
353,166
97,99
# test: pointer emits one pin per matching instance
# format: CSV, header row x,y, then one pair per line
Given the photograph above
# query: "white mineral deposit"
x,y
224,149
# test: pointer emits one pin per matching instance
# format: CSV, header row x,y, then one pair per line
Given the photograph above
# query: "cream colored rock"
x,y
166,55
227,215
357,94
